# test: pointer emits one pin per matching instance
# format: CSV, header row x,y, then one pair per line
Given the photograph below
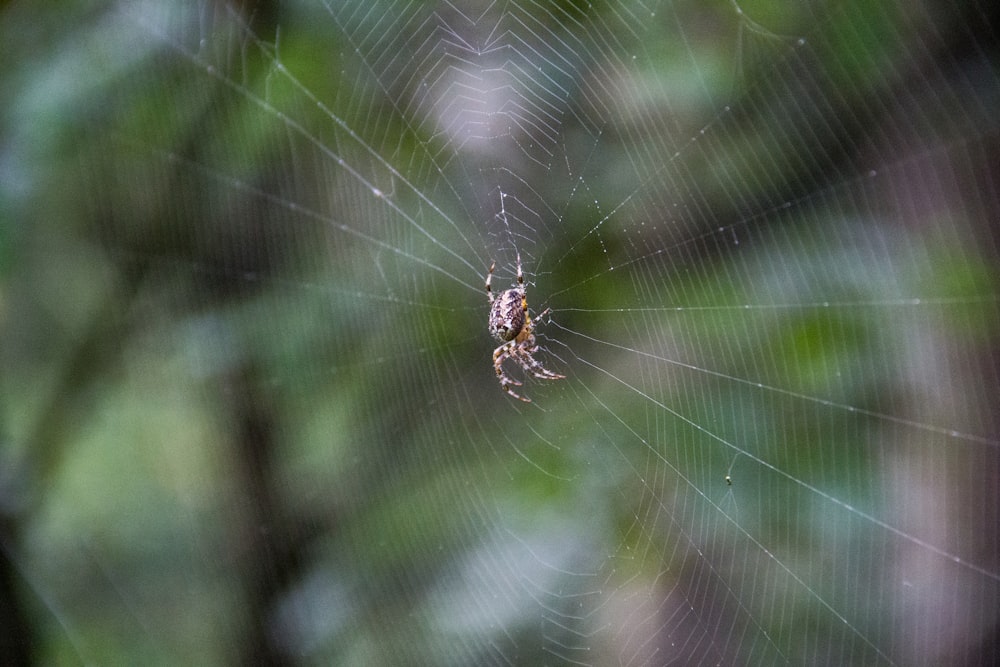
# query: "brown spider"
x,y
513,327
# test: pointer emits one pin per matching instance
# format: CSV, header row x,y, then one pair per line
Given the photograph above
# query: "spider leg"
x,y
500,354
506,382
533,366
524,353
489,277
515,394
529,325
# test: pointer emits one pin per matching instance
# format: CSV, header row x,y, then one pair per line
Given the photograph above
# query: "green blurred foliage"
x,y
245,399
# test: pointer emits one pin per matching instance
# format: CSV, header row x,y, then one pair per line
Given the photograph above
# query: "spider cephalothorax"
x,y
511,324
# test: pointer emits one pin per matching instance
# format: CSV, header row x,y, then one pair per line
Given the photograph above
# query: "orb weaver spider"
x,y
511,324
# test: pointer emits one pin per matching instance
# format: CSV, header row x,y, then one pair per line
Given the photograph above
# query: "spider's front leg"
x,y
506,382
524,355
536,369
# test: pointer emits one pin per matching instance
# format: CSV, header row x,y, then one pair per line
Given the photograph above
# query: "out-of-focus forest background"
x,y
248,408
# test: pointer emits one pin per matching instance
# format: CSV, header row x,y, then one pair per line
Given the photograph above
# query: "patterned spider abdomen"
x,y
507,315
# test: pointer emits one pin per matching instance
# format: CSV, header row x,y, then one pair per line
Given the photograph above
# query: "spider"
x,y
513,327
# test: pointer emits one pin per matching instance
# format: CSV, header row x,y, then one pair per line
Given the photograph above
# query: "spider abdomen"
x,y
507,315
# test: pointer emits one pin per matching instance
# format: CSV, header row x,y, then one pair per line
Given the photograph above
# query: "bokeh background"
x,y
249,413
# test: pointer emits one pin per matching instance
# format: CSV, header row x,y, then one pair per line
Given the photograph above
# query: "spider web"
x,y
767,235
